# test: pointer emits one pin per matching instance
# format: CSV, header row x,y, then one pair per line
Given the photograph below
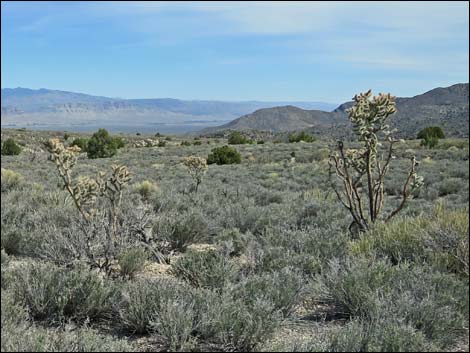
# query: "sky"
x,y
270,51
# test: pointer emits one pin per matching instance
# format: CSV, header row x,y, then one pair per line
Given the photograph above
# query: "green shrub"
x,y
10,148
430,136
102,145
301,136
260,142
431,131
197,143
10,179
53,293
236,138
132,261
185,143
66,136
204,269
224,155
162,143
81,142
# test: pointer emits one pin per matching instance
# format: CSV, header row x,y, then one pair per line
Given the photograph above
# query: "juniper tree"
x,y
356,168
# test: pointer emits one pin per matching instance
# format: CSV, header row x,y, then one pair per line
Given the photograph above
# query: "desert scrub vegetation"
x,y
259,259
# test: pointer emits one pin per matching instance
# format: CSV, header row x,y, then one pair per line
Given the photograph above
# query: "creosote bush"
x,y
301,136
103,145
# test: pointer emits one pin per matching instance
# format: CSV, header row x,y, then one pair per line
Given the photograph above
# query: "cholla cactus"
x,y
85,191
197,167
369,116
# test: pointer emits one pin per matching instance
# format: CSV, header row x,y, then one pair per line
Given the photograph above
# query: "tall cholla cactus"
x,y
85,191
197,167
369,116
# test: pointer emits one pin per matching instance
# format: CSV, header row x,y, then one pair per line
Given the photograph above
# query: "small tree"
x,y
369,116
236,138
224,155
101,145
430,136
80,142
10,148
197,167
301,136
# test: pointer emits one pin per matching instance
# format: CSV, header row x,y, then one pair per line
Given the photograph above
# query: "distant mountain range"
x,y
446,107
51,108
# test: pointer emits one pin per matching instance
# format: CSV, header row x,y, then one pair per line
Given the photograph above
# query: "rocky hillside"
x,y
447,107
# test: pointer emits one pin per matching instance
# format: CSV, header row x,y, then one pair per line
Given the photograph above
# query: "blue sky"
x,y
310,51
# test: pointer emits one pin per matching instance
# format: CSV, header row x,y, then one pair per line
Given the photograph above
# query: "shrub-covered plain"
x,y
260,258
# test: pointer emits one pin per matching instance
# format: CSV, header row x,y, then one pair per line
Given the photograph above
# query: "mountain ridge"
x,y
443,106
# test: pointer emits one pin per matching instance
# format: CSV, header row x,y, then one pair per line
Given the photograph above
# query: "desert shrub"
x,y
66,136
429,141
53,293
162,143
10,179
352,286
204,269
233,241
132,261
235,323
383,336
431,131
10,148
197,143
436,304
224,155
265,198
185,143
187,230
301,136
236,138
159,306
103,145
146,189
439,239
81,142
450,186
12,242
260,142
282,288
